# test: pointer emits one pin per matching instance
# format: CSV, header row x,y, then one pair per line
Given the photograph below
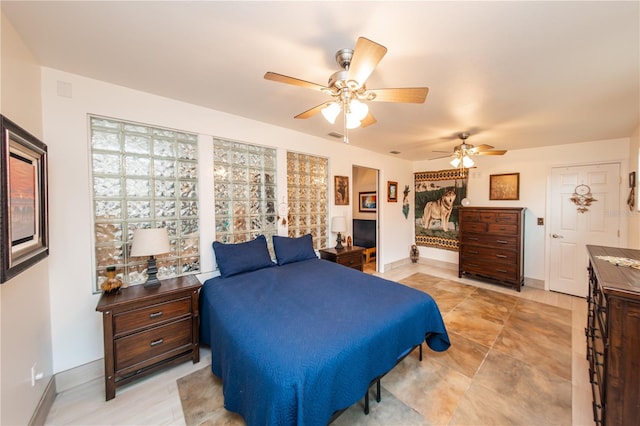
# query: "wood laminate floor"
x,y
155,400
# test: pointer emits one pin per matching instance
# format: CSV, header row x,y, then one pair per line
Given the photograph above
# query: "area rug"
x,y
509,363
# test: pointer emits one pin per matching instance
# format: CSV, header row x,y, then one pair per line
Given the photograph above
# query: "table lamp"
x,y
150,242
339,225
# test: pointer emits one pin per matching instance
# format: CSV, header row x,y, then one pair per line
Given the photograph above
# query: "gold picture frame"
x,y
341,190
504,186
392,192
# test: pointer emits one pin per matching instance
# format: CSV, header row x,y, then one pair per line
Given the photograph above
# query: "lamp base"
x,y
339,241
152,271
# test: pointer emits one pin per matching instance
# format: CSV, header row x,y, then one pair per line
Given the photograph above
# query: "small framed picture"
x,y
504,187
368,202
392,192
341,188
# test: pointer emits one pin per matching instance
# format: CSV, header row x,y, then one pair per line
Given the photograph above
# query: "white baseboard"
x,y
39,416
81,374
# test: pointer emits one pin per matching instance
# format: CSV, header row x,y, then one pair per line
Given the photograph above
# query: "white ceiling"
x,y
515,74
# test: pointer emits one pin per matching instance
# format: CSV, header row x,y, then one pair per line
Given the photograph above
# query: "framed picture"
x,y
392,192
24,238
368,202
341,197
504,187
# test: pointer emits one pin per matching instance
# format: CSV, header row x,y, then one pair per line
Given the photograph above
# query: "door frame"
x,y
622,205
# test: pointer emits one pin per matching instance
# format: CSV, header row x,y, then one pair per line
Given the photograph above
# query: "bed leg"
x,y
378,391
420,352
366,402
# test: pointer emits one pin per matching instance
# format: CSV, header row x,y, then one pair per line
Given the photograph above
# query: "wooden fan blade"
x,y
414,95
495,152
294,81
442,156
366,55
368,120
313,111
483,147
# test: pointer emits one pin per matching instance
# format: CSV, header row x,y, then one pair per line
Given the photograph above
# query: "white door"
x,y
571,230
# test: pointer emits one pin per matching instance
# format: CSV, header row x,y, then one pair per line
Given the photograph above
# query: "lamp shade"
x,y
338,224
150,242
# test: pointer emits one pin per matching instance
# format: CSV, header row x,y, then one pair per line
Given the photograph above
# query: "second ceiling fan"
x,y
462,153
347,88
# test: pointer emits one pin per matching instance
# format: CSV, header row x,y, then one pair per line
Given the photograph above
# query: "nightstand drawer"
x,y
142,318
352,260
153,345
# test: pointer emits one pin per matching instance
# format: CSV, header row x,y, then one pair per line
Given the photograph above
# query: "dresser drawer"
x,y
490,240
153,345
470,252
503,228
475,227
351,260
500,271
145,317
507,217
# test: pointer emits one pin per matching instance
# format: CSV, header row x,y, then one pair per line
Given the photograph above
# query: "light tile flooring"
x,y
155,400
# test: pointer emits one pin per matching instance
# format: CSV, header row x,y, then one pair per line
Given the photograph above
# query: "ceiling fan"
x,y
462,153
347,88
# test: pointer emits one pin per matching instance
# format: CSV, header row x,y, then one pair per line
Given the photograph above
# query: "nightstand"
x,y
147,329
347,256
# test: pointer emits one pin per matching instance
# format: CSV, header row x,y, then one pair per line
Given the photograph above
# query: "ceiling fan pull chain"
x,y
344,120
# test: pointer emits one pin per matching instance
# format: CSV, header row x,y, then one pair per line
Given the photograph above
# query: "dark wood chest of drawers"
x,y
347,256
613,337
146,329
492,244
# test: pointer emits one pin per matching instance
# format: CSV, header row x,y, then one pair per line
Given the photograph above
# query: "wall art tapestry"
x,y
438,196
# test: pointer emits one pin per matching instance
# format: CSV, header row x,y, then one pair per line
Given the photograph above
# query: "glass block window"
x,y
143,177
244,182
307,194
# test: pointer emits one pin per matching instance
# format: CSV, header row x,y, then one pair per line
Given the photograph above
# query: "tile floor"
x,y
155,399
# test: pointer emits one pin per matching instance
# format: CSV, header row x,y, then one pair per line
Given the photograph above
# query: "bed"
x,y
297,341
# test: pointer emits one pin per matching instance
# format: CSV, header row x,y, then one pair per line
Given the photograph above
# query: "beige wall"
x,y
24,301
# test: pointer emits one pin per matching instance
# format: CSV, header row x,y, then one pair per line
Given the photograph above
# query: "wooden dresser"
x,y
492,244
146,329
613,337
347,256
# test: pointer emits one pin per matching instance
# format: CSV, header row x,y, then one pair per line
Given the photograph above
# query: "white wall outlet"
x,y
33,374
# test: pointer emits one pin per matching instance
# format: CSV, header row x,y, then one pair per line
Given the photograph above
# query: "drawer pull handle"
x,y
473,238
501,270
501,256
502,242
157,342
473,252
155,315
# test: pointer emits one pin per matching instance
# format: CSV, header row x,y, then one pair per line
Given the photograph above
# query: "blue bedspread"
x,y
295,343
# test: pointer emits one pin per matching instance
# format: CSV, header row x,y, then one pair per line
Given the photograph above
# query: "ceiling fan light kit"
x,y
348,90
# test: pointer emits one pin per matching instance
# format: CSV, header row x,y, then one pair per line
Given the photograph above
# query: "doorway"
x,y
365,219
584,206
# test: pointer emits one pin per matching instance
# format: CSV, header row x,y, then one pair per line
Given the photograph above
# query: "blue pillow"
x,y
237,258
289,250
